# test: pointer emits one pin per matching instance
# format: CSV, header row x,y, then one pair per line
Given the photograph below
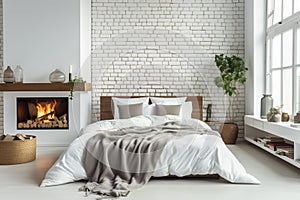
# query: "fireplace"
x,y
42,113
78,115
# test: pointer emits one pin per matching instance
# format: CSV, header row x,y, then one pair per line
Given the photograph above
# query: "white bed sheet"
x,y
192,154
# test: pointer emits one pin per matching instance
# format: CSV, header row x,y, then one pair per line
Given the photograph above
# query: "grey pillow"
x,y
167,109
130,110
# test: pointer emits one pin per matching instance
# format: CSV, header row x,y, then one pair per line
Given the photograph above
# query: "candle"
x,y
70,72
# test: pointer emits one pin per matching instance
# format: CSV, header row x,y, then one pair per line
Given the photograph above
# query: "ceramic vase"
x,y
18,72
57,76
265,105
285,117
273,117
8,75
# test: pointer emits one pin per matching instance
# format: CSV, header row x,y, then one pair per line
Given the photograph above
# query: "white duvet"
x,y
192,154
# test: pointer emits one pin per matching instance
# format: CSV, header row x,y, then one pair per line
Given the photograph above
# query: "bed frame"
x,y
106,106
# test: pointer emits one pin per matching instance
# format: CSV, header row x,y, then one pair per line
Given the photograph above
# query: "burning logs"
x,y
45,116
43,122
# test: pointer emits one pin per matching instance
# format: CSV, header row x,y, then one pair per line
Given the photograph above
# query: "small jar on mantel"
x,y
57,76
18,74
8,75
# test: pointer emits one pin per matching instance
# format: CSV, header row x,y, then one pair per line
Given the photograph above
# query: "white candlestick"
x,y
70,69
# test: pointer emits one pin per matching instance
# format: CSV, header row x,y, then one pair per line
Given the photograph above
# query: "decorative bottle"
x,y
265,104
8,76
57,76
208,112
18,74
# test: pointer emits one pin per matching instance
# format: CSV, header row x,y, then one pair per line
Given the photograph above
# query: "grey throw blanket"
x,y
116,161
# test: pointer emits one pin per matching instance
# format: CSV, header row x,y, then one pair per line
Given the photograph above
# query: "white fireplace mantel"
x,y
79,117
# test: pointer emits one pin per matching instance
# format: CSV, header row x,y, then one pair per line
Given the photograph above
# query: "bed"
x,y
178,145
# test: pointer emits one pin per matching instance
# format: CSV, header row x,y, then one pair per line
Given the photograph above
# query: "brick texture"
x,y
165,47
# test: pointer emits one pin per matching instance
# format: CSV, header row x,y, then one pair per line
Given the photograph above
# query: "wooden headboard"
x,y
106,106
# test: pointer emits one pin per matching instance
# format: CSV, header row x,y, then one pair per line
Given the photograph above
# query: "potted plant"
x,y
73,82
274,114
232,73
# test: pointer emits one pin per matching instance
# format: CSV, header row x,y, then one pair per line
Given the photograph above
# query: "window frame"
x,y
290,23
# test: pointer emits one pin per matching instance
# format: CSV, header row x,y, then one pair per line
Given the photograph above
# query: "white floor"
x,y
279,181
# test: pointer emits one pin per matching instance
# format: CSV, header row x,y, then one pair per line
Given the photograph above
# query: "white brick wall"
x,y
165,47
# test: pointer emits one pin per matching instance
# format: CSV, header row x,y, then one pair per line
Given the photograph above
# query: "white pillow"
x,y
128,101
168,109
150,109
131,110
186,109
171,101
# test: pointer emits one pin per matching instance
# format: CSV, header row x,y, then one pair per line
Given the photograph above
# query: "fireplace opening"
x,y
42,113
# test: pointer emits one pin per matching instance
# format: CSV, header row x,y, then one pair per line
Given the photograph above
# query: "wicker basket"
x,y
17,151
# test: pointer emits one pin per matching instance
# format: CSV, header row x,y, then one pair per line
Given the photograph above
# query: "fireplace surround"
x,y
78,117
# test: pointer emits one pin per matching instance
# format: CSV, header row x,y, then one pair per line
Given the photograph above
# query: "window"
x,y
283,53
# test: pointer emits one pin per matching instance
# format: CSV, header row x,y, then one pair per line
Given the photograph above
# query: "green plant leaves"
x,y
74,81
232,72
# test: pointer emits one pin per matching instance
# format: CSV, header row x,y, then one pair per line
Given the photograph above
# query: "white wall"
x,y
41,35
255,14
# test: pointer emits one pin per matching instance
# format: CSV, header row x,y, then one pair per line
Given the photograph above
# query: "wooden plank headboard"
x,y
106,106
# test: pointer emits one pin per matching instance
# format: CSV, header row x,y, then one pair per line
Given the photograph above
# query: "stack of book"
x,y
277,144
270,141
286,151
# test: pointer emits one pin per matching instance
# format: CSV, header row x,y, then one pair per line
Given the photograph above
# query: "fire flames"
x,y
46,113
